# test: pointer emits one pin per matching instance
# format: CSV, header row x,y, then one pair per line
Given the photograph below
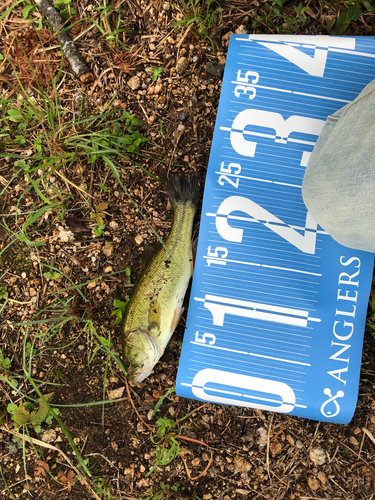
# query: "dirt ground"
x,y
49,323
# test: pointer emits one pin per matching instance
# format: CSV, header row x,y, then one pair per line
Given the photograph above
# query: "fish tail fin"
x,y
182,190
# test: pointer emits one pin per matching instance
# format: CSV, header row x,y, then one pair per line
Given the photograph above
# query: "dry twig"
x,y
134,408
77,64
203,472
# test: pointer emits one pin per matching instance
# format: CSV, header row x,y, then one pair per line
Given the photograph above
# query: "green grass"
x,y
204,15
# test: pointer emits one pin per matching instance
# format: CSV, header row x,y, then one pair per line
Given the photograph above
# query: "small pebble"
x,y
353,441
181,127
108,248
138,239
241,30
65,236
134,83
318,456
116,393
49,436
215,69
182,65
12,448
313,483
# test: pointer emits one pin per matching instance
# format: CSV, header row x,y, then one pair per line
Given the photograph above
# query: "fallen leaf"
x,y
41,469
68,479
101,206
99,219
75,225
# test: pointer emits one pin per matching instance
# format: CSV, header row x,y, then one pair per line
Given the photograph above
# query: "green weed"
x,y
352,13
104,188
152,495
66,8
174,489
119,306
28,413
102,489
98,215
66,140
6,376
52,276
277,17
110,15
26,13
156,73
167,448
204,14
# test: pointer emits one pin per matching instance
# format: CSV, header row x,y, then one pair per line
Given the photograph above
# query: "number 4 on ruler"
x,y
289,49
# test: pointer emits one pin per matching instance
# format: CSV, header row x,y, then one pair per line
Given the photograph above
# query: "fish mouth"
x,y
138,375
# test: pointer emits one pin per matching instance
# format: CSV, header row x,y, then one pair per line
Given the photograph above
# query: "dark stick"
x,y
76,62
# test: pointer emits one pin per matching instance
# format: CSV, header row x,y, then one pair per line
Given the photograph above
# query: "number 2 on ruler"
x,y
304,242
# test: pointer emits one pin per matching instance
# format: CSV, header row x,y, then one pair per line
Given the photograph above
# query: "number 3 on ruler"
x,y
275,121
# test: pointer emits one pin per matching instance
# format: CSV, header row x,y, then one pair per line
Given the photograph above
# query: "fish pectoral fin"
x,y
176,317
154,315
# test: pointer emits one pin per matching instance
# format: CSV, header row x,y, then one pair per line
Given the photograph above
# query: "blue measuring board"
x,y
278,308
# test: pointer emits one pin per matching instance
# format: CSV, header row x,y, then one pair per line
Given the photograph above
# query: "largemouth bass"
x,y
155,306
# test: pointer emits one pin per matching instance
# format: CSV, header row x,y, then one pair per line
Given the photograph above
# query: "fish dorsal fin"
x,y
154,317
